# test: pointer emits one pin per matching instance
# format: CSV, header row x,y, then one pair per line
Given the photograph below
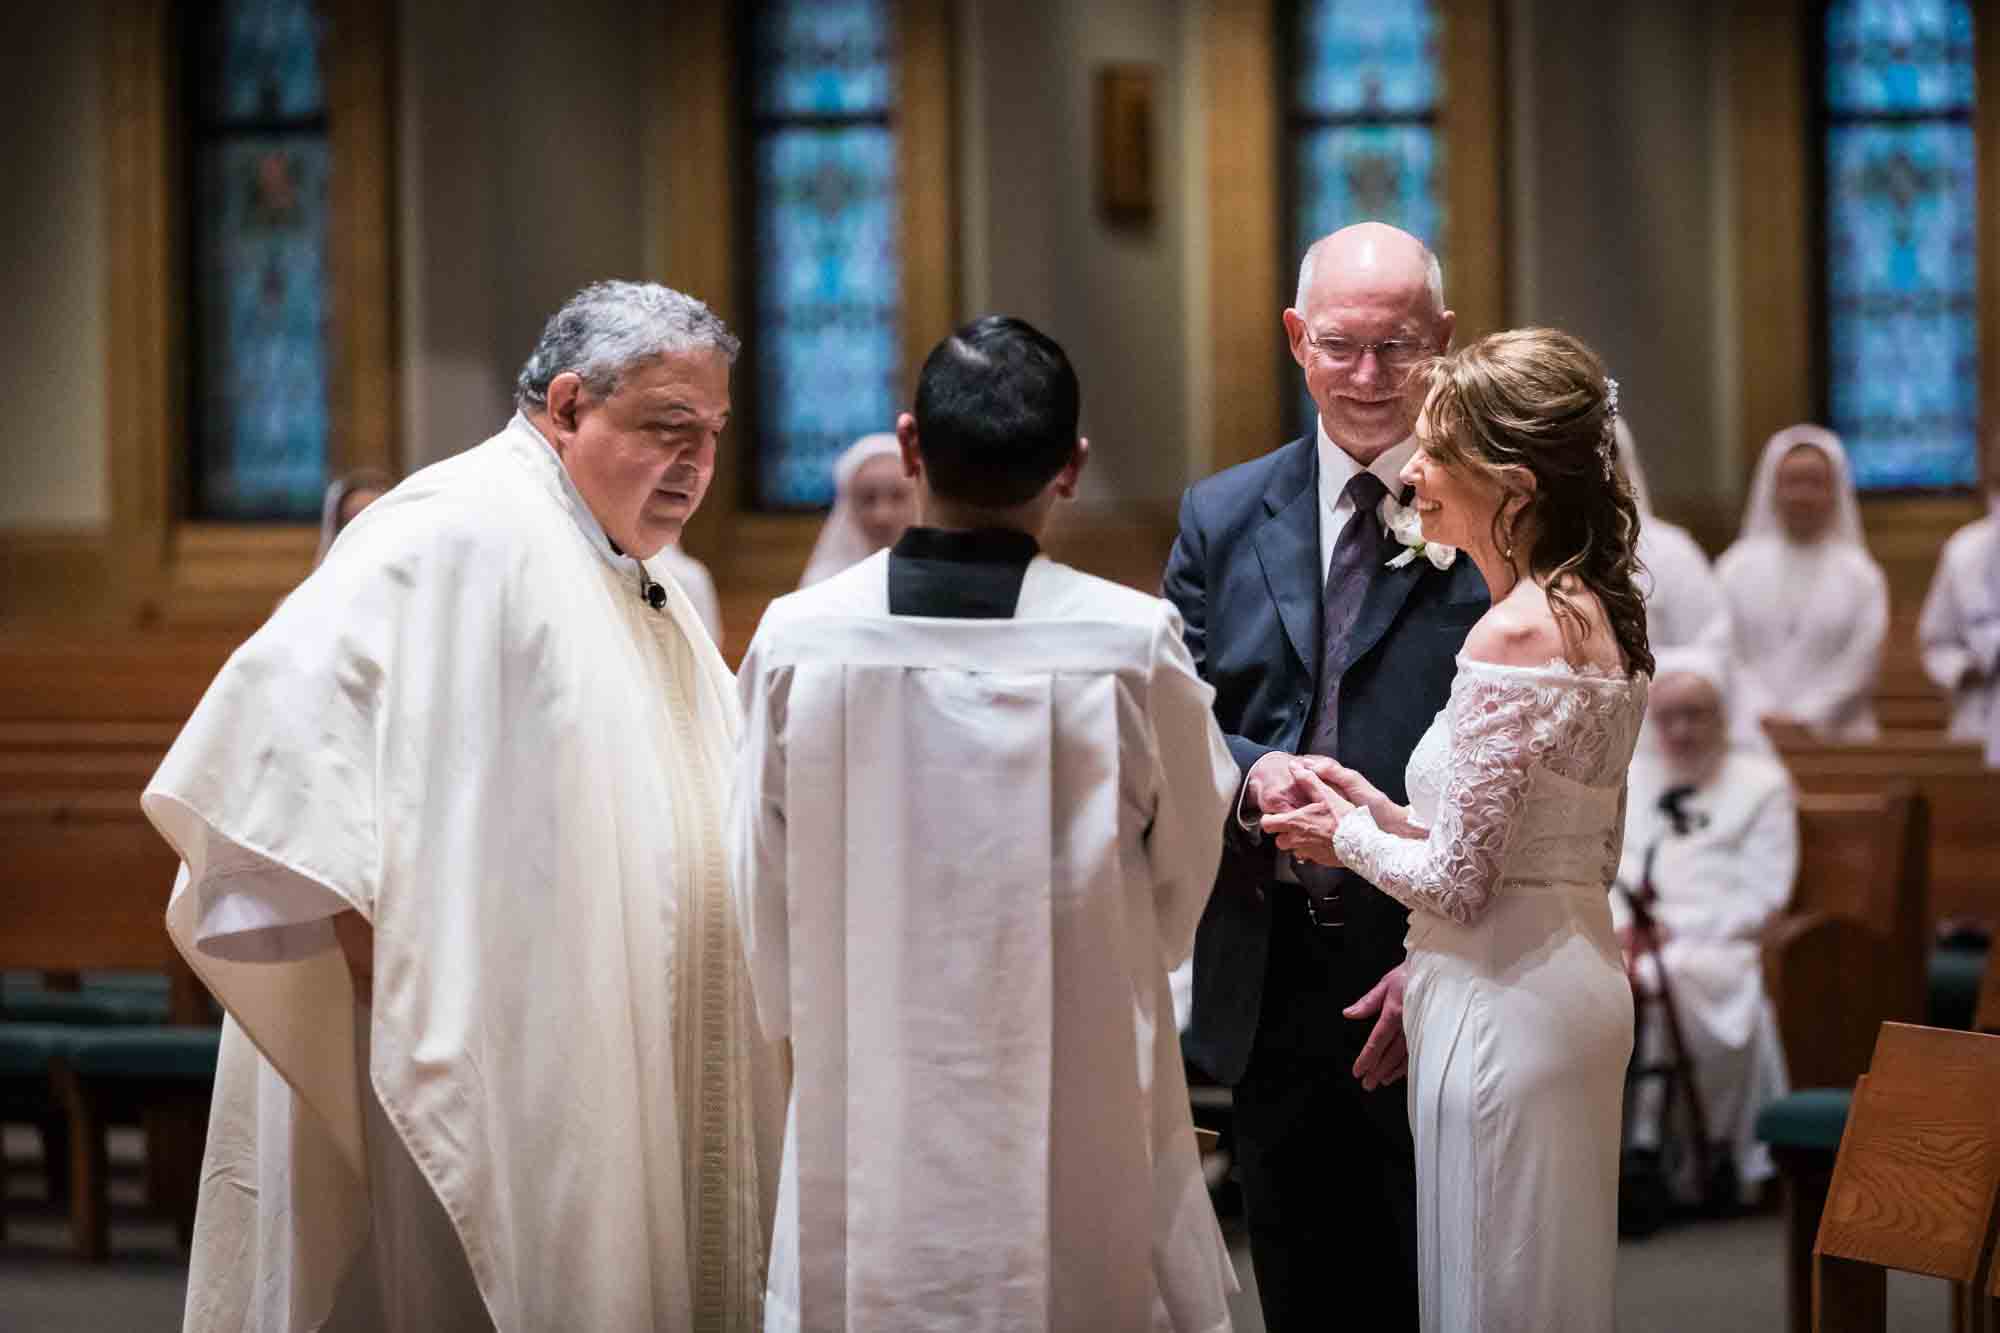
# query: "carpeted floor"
x,y
1719,1277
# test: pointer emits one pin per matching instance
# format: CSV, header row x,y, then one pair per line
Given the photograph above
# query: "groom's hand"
x,y
1385,1058
1273,786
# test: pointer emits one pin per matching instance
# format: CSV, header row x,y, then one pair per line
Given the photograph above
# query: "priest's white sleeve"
x,y
1195,780
757,841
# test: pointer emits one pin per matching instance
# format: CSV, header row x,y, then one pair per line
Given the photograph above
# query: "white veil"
x,y
841,541
1760,515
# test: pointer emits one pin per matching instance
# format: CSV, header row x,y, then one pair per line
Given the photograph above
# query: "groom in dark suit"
x,y
1315,646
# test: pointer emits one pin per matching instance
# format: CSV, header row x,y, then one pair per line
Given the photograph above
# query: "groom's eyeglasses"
x,y
1395,355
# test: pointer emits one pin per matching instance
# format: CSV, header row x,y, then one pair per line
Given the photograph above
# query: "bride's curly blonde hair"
x,y
1537,401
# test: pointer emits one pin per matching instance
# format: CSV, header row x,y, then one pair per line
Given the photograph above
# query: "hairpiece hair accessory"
x,y
1607,438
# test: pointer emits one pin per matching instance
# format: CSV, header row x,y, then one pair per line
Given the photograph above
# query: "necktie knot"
x,y
1364,490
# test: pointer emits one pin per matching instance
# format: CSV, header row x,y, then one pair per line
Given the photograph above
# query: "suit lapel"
x,y
1287,545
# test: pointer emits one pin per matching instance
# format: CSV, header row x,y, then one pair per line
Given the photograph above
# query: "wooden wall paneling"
x,y
1771,124
696,136
1474,129
144,310
361,91
926,124
1244,268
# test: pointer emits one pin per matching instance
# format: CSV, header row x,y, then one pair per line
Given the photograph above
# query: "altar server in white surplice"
x,y
1724,821
1808,605
979,806
1684,599
453,832
1960,627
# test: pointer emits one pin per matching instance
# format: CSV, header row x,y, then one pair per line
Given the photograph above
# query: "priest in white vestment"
x,y
452,825
1960,628
1808,606
979,808
1719,823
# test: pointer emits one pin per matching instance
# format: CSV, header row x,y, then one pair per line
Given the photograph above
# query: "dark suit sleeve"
x,y
1185,584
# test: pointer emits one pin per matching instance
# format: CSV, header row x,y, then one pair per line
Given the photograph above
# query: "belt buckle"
x,y
1327,914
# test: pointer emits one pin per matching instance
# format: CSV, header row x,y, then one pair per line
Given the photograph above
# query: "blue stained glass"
x,y
1902,301
1357,173
1367,56
1899,56
831,57
267,61
261,299
828,354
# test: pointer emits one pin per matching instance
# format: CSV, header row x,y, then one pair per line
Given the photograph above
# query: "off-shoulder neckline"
x,y
1555,666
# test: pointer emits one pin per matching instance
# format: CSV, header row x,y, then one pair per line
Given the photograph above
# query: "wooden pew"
x,y
84,887
1964,800
1847,955
1849,952
1917,1180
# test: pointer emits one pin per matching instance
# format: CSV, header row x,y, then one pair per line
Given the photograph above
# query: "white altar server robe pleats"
x,y
969,851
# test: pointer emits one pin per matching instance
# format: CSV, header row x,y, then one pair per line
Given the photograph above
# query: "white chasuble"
x,y
467,727
968,852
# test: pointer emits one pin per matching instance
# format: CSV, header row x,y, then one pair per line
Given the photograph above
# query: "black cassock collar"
x,y
959,575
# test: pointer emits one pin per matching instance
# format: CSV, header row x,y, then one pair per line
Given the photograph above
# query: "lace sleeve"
x,y
1453,871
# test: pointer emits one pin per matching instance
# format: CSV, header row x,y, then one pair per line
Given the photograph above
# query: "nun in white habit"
x,y
873,502
1960,628
1684,601
1808,605
1722,870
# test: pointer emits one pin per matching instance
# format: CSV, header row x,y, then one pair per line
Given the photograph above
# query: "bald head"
x,y
1370,307
1374,253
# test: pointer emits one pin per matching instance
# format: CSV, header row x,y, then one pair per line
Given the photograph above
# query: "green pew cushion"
x,y
1954,985
27,1048
1808,1118
97,1007
104,998
143,1052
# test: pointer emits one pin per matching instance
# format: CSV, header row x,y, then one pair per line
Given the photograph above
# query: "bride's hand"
x,y
1307,832
1357,790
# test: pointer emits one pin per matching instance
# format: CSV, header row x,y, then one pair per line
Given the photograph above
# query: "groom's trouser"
x,y
1328,1172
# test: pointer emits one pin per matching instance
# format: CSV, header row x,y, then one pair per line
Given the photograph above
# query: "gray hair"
x,y
1433,276
610,327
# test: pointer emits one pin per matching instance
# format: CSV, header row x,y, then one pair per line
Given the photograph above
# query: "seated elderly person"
x,y
1719,825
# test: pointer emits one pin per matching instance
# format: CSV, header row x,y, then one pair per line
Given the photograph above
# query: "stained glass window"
x,y
259,166
826,350
1367,83
1902,335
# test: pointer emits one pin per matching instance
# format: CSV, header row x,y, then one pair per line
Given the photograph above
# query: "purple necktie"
x,y
1356,555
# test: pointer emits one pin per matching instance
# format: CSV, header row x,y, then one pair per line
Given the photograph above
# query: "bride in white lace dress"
x,y
1517,1011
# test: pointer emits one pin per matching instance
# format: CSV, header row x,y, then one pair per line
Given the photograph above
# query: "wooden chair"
x,y
1917,1179
1847,956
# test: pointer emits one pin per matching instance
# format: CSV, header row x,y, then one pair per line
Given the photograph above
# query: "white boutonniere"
x,y
1406,526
